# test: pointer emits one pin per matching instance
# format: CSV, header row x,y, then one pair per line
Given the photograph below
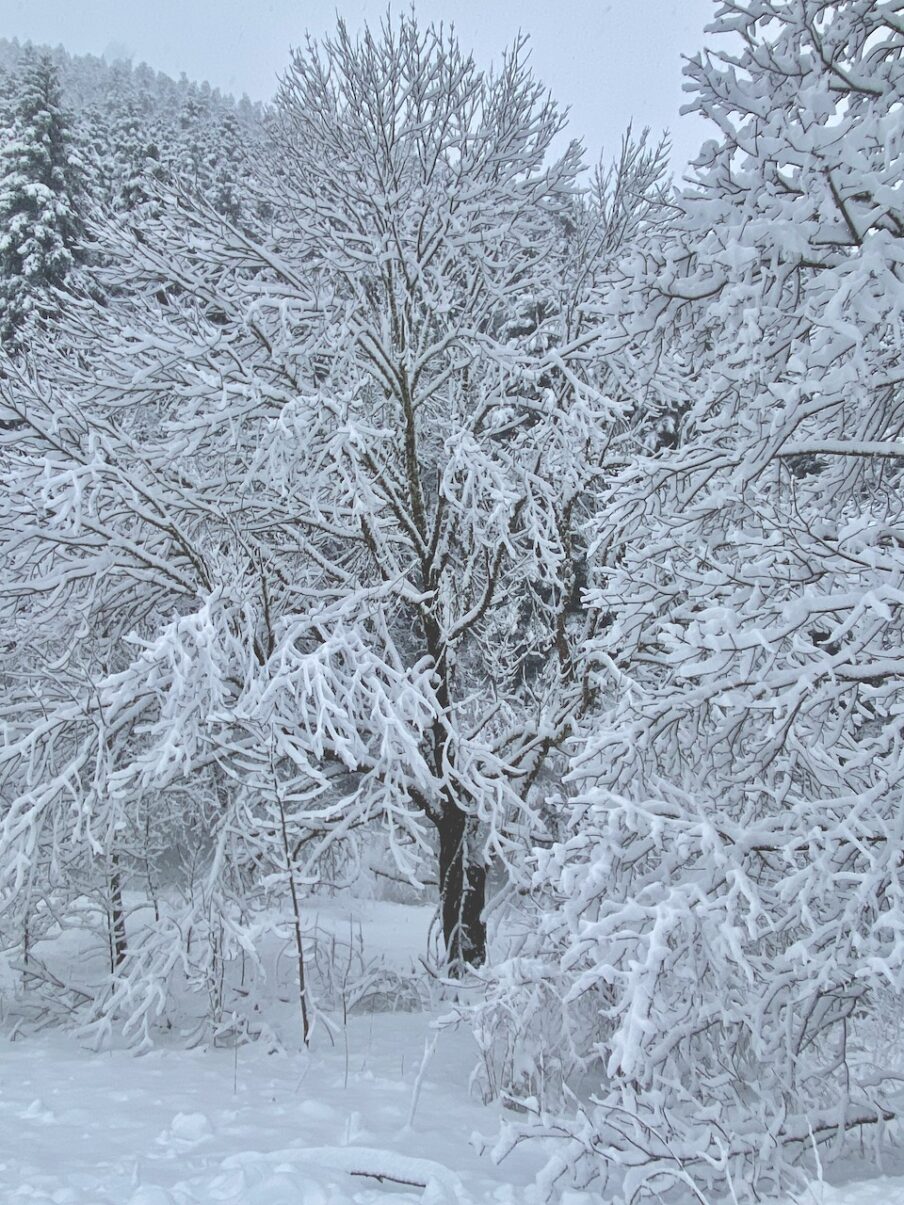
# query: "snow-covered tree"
x,y
716,935
128,135
134,125
320,492
41,226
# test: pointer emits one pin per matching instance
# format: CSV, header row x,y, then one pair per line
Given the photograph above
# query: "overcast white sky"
x,y
609,60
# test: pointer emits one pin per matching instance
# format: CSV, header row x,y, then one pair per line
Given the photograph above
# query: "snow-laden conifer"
x,y
41,226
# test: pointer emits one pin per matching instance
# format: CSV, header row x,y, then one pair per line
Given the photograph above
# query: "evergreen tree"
x,y
40,201
226,168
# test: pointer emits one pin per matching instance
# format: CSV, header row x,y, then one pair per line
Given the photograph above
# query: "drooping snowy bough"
x,y
717,938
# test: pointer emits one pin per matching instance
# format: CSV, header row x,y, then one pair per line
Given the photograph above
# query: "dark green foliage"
x,y
41,225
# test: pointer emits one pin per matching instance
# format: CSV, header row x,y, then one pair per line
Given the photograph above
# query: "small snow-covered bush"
x,y
684,1012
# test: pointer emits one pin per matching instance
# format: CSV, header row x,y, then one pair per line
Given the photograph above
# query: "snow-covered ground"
x,y
184,1128
379,1114
79,1128
384,1095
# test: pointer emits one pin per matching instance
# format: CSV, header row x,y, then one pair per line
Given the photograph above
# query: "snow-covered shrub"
x,y
725,912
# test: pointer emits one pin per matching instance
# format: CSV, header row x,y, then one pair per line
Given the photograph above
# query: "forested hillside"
x,y
398,507
84,139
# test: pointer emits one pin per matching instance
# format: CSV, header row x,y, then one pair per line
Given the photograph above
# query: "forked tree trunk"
x,y
462,884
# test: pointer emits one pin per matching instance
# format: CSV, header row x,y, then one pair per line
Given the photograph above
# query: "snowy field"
x,y
207,1126
379,1112
185,1128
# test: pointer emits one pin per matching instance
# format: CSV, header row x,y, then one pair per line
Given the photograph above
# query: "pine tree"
x,y
40,201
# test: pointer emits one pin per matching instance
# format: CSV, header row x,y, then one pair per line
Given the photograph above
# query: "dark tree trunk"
x,y
462,884
119,945
462,870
